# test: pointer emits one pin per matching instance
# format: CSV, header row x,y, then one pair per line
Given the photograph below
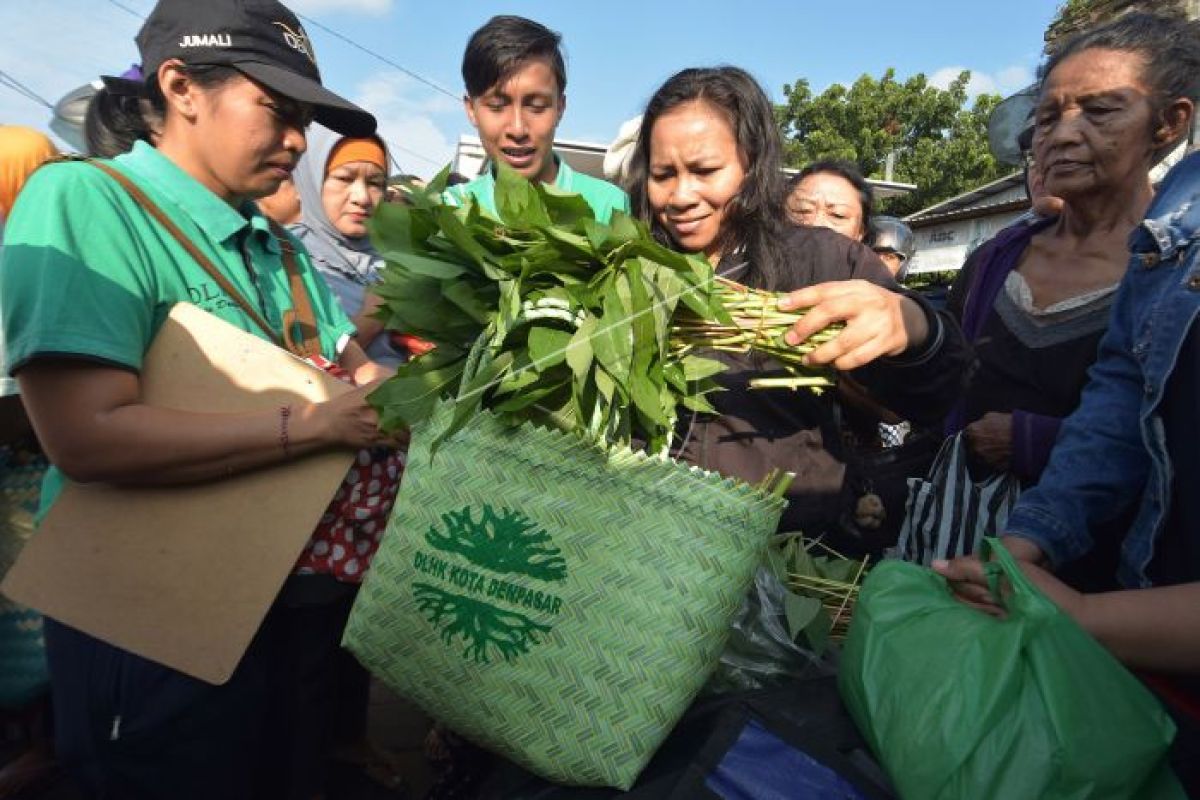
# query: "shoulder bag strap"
x,y
213,271
301,319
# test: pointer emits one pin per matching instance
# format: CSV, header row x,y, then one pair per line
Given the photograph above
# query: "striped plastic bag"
x,y
948,513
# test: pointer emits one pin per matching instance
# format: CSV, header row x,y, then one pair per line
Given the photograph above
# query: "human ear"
x,y
1174,122
177,88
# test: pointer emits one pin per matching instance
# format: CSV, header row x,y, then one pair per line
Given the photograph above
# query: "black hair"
x,y
847,170
503,45
116,120
753,221
1169,45
113,123
206,76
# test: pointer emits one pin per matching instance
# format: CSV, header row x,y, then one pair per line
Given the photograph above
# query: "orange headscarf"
x,y
347,151
22,150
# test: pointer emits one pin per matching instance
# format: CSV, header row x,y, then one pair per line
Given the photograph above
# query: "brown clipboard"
x,y
184,575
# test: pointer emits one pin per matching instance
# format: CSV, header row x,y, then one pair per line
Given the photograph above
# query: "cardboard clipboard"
x,y
184,575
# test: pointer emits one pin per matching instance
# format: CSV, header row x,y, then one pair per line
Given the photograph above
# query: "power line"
x,y
414,75
431,84
23,90
127,9
391,146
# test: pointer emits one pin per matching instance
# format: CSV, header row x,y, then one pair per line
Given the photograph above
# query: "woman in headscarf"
x,y
23,675
341,181
22,150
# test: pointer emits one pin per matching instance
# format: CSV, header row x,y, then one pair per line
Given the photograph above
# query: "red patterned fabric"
x,y
348,534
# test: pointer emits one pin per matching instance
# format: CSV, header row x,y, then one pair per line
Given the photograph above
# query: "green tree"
x,y
939,140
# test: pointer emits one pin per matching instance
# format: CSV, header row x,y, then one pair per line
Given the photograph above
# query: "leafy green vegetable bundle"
x,y
552,317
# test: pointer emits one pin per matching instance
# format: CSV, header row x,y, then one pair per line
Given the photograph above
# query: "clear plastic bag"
x,y
760,652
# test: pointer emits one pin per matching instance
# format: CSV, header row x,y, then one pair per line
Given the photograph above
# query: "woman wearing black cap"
x,y
87,277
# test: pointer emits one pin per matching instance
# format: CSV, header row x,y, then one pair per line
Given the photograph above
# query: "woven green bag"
x,y
556,603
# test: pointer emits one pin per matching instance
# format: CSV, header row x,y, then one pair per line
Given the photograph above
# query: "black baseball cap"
x,y
260,38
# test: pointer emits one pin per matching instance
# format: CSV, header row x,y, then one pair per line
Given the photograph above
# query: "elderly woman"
x,y
1036,299
706,177
23,676
1129,450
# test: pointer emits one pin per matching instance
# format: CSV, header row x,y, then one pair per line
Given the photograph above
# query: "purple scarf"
x,y
996,258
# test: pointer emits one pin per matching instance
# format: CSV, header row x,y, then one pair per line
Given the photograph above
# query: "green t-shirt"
x,y
602,196
86,272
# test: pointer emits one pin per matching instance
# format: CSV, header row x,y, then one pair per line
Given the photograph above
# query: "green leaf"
x,y
519,203
398,228
579,349
522,397
804,564
613,341
697,368
470,397
605,385
598,234
818,630
698,404
566,209
647,396
476,302
673,374
456,231
408,398
570,245
838,569
439,183
547,346
623,228
777,565
429,267
800,611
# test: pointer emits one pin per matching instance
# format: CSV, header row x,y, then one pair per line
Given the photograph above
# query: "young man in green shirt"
x,y
516,95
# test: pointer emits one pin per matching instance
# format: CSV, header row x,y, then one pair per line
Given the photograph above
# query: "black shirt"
x,y
760,429
1177,550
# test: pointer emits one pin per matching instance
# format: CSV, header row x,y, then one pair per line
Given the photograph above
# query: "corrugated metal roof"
x,y
969,201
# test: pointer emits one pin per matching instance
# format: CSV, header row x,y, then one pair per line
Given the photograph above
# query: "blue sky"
x,y
618,52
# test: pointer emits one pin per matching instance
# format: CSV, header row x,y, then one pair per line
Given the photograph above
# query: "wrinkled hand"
x,y
879,322
350,421
990,437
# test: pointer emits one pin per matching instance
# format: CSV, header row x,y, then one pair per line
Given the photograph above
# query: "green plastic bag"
x,y
557,603
959,704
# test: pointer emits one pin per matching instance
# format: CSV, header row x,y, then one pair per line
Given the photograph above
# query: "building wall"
x,y
946,246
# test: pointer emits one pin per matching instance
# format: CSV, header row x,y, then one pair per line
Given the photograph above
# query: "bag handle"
x,y
303,319
1025,597
945,460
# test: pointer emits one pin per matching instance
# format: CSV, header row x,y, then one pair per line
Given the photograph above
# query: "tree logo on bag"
x,y
490,604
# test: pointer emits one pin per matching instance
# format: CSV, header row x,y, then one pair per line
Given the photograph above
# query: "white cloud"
x,y
1003,82
352,6
397,90
406,109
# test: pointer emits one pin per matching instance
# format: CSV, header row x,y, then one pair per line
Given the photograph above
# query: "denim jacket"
x,y
1111,454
